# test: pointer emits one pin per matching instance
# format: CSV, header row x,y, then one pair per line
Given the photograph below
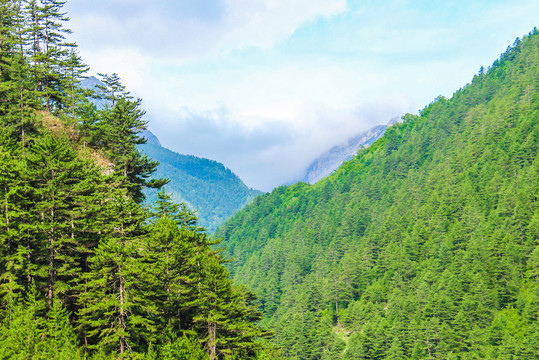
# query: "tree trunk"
x,y
122,314
50,283
121,291
212,346
28,258
22,117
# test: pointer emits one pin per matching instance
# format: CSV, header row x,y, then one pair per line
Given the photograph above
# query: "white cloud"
x,y
184,30
283,92
269,153
262,23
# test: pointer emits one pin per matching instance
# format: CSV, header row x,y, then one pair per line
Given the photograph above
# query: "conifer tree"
x,y
179,213
49,48
118,131
16,86
22,327
60,186
172,268
225,316
115,313
182,348
11,212
73,72
60,341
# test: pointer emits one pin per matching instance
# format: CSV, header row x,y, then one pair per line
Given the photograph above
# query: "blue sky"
x,y
265,86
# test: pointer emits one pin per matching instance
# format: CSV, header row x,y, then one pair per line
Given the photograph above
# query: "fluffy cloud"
x,y
185,29
261,23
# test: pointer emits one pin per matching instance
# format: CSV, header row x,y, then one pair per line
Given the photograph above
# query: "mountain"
x,y
326,163
150,138
90,82
93,83
423,246
206,186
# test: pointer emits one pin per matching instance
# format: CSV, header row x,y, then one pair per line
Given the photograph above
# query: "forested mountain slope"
x,y
206,186
424,246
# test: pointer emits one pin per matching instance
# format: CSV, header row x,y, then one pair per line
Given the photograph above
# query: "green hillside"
x,y
424,246
206,186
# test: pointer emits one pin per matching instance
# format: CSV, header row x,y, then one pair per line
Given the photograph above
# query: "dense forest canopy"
x,y
85,270
423,246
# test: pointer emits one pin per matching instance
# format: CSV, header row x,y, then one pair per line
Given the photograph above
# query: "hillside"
x,y
424,246
206,186
327,162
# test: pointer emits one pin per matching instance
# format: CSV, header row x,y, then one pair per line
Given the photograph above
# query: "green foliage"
x,y
21,330
421,247
61,340
182,348
27,336
116,129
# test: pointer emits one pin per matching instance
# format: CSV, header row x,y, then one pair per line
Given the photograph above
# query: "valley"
x,y
418,239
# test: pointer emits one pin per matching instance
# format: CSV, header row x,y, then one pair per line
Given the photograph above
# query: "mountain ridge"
x,y
330,160
424,245
206,186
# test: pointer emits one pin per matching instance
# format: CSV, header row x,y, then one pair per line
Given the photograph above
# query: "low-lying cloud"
x,y
272,153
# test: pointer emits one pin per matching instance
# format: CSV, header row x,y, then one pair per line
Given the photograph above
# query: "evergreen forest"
x,y
87,271
423,246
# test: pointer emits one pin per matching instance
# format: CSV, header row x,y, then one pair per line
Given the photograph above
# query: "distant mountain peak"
x,y
150,137
329,161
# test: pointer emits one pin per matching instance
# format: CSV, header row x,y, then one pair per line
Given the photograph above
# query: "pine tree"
x,y
226,316
60,184
16,82
172,265
74,96
60,341
22,327
118,131
11,211
182,348
49,49
179,213
115,313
